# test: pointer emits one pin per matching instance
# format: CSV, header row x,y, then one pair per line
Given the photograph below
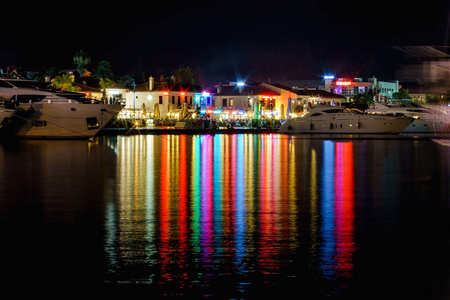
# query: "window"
x,y
28,98
224,102
173,99
160,99
92,123
38,123
231,102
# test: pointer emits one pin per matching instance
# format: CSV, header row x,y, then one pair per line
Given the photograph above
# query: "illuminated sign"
x,y
328,77
165,93
343,83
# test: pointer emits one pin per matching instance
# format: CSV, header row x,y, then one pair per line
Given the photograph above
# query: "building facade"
x,y
269,100
144,99
273,100
350,87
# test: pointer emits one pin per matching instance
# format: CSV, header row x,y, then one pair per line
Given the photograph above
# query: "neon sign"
x,y
343,83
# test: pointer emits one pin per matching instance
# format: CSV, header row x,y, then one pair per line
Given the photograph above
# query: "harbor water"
x,y
227,216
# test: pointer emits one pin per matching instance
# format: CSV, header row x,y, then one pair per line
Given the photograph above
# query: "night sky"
x,y
223,40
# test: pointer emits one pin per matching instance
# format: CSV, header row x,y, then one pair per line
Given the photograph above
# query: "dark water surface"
x,y
227,216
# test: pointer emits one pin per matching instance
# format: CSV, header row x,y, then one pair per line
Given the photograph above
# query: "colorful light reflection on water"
x,y
203,210
230,216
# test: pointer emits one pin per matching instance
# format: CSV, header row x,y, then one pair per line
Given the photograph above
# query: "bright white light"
x,y
240,83
149,97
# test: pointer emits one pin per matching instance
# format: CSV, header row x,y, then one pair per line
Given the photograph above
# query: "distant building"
x,y
434,93
345,87
350,87
91,87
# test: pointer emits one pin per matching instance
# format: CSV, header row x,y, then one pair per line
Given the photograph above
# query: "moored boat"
x,y
41,113
333,119
425,119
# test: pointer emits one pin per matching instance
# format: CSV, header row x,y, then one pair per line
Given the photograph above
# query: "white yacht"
x,y
333,119
426,120
41,113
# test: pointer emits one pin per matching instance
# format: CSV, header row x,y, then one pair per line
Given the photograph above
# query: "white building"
x,y
144,98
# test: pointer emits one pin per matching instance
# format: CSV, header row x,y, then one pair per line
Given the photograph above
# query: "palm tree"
x,y
63,83
81,60
104,84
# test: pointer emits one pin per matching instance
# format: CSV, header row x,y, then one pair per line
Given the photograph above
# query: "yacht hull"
x,y
64,120
350,124
426,126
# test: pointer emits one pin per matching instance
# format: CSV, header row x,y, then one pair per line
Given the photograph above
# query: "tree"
x,y
432,99
104,70
364,98
81,60
184,75
126,81
104,84
64,83
402,94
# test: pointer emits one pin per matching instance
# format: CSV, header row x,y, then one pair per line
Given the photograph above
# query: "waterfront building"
x,y
278,97
143,99
272,99
233,100
238,99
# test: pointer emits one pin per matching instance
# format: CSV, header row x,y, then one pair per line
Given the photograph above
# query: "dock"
x,y
158,130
